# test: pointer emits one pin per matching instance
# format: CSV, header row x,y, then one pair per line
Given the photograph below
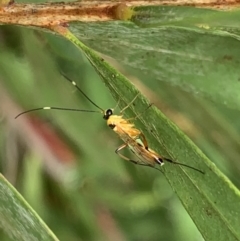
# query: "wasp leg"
x,y
116,105
129,103
126,158
138,115
121,155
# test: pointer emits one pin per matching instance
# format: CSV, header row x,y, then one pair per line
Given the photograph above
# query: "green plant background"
x,y
99,196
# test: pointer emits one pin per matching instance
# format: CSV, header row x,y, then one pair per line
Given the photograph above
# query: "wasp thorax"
x,y
107,114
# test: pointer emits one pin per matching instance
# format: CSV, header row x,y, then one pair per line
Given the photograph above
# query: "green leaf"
x,y
185,17
195,49
18,219
211,199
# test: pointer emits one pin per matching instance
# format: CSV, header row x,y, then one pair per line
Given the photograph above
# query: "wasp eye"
x,y
107,114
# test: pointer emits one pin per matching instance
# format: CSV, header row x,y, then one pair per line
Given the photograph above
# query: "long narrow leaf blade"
x,y
18,219
210,199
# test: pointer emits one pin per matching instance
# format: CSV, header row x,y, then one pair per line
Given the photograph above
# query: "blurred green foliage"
x,y
87,192
101,195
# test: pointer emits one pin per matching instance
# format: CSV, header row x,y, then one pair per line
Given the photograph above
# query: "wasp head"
x,y
107,114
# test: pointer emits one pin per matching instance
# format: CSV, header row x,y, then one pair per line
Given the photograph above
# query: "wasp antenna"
x,y
54,108
181,164
78,88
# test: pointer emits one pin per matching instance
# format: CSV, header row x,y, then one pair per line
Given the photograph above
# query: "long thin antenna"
x,y
78,88
54,108
181,164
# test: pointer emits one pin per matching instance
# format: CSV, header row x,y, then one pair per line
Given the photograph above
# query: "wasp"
x,y
132,137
